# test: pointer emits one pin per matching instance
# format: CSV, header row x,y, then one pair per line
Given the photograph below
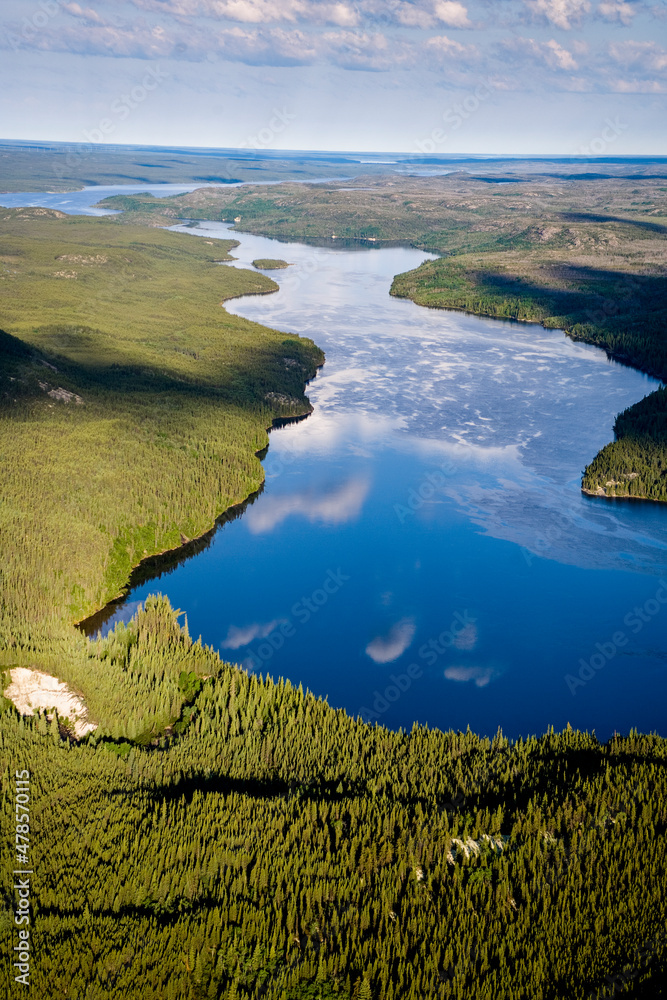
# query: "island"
x,y
268,264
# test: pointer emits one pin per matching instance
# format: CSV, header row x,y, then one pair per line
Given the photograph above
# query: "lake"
x,y
422,551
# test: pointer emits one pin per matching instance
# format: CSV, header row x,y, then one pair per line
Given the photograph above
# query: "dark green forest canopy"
x,y
278,848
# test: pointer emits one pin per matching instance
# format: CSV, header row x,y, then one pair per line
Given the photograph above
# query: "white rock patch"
x,y
31,689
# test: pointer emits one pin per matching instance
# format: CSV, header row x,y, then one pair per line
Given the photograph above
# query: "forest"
x,y
635,464
132,405
222,835
275,847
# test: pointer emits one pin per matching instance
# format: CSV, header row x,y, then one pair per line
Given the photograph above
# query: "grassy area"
x,y
269,264
624,212
131,404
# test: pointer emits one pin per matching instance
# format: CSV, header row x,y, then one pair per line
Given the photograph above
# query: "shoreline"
x,y
623,496
229,513
621,359
237,508
197,543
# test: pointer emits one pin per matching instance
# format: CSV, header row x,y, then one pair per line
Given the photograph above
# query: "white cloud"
x,y
76,10
562,13
310,12
634,86
639,55
386,649
342,14
444,46
557,57
362,50
451,13
412,16
245,11
241,636
551,53
617,10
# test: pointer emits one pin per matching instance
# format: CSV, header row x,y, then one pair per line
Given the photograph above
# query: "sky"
x,y
566,77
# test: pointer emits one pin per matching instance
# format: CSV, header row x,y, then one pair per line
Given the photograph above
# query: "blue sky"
x,y
439,76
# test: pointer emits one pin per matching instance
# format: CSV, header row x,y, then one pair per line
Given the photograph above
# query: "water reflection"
x,y
438,481
481,676
386,649
245,634
341,504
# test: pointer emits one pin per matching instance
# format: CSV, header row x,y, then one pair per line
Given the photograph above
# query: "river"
x,y
422,551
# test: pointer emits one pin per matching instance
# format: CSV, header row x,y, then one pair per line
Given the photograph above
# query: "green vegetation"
x,y
635,464
269,264
131,406
581,252
226,837
277,848
590,220
59,166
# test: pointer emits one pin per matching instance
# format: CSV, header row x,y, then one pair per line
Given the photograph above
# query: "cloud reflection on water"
x,y
238,636
343,504
480,675
386,649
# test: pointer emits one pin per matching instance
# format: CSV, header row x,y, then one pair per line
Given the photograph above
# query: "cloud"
x,y
550,53
241,636
634,86
243,11
87,33
315,12
562,13
372,35
480,675
441,45
412,16
386,649
76,10
337,507
645,61
639,55
617,10
362,50
452,14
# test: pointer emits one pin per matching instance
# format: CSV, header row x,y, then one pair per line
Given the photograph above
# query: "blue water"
x,y
422,550
84,202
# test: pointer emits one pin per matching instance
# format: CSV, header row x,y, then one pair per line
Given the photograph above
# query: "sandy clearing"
x,y
31,689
